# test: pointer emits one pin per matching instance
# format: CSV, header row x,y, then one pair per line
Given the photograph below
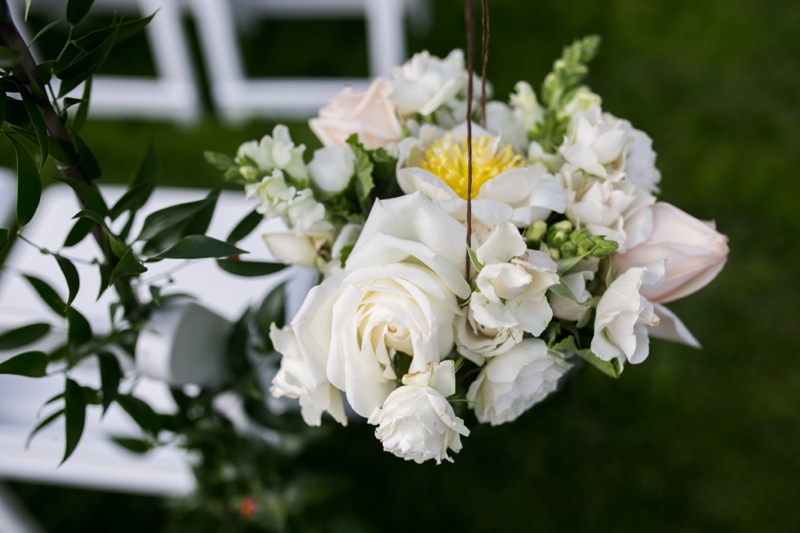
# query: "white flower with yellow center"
x,y
503,188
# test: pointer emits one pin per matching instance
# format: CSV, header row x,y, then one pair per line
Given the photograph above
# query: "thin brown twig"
x,y
485,42
470,14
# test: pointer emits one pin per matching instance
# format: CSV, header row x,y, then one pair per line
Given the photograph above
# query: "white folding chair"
x,y
8,195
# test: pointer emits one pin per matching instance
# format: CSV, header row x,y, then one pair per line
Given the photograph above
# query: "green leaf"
x,y
4,233
134,445
220,161
48,295
71,275
117,246
474,259
91,169
28,364
29,184
79,330
364,168
609,368
245,227
41,425
124,30
91,396
563,290
129,265
88,193
199,247
27,9
76,416
85,64
3,100
141,413
566,264
249,269
198,224
272,309
15,338
168,218
79,231
77,9
140,186
155,294
9,57
110,376
44,30
37,119
105,278
83,108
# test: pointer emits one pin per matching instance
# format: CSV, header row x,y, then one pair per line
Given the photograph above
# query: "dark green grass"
x,y
690,441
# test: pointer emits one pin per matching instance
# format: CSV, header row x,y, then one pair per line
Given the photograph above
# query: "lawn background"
x,y
689,441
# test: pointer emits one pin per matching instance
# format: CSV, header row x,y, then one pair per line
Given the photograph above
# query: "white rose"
x,y
623,315
295,380
276,151
512,283
293,249
577,310
425,82
620,211
332,167
370,114
693,250
595,143
503,187
511,383
398,293
477,342
416,422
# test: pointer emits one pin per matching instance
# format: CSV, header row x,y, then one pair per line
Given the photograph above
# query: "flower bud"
x,y
536,231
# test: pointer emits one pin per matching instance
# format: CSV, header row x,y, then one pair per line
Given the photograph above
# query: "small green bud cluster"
x,y
563,241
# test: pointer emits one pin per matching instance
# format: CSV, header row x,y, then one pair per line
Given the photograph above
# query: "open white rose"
x,y
275,151
370,114
332,167
512,283
623,316
511,383
693,250
477,342
295,380
619,211
416,422
503,187
398,293
425,82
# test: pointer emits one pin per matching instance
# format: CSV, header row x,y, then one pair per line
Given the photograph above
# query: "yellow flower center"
x,y
448,160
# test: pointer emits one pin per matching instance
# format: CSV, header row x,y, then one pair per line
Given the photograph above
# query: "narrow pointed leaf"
x,y
3,100
199,247
37,119
141,413
110,376
41,425
169,217
79,330
134,445
4,238
79,231
44,30
48,295
9,57
89,194
76,416
77,9
83,108
87,160
105,279
16,338
71,275
249,269
127,266
245,227
28,364
29,184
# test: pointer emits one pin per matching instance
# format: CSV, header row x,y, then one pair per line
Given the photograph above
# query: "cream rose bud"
x,y
332,167
416,422
398,293
693,250
425,82
623,315
293,249
370,114
295,380
511,383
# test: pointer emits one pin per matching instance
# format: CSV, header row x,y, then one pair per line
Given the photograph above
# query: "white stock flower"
x,y
425,82
620,211
583,100
595,143
640,163
624,315
275,151
370,114
295,380
503,187
416,422
332,167
513,283
398,293
537,156
511,383
524,101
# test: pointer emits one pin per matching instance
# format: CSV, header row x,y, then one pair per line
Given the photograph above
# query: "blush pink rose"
x,y
370,114
693,250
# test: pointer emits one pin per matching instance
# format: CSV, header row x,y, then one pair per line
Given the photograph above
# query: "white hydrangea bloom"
x,y
512,283
275,152
624,315
295,380
425,82
416,422
511,383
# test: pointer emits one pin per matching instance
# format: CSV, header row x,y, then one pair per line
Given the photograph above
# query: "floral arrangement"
x,y
571,258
